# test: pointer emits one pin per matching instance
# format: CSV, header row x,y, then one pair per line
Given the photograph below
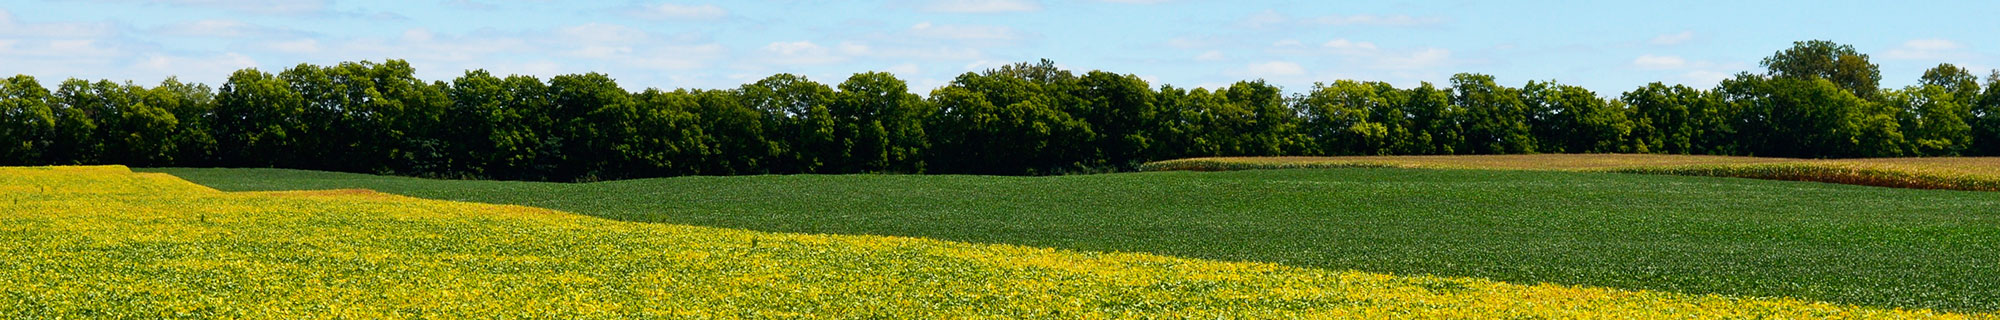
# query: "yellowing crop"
x,y
105,242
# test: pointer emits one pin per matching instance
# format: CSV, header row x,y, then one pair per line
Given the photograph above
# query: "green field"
x,y
1824,242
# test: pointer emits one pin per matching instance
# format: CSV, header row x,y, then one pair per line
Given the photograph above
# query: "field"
x,y
1954,173
1869,246
106,242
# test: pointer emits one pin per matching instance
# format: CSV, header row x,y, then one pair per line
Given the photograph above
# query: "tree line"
x,y
1816,99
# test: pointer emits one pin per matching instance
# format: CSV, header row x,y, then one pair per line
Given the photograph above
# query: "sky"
x,y
1606,46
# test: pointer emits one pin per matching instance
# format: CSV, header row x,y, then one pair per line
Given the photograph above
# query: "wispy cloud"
x,y
983,6
680,11
1272,19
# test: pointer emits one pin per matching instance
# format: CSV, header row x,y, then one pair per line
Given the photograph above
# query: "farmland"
x,y
1869,246
106,242
1955,173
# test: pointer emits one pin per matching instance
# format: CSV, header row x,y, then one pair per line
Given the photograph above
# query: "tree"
x,y
1122,112
1933,120
1822,59
257,121
1495,119
77,139
1436,122
586,111
1986,118
1572,119
742,138
1790,117
27,123
193,109
1007,121
1350,117
880,124
804,127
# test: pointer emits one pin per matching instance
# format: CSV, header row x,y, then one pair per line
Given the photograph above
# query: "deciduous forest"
x,y
1816,99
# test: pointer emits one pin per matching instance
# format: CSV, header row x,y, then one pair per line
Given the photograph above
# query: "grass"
x,y
1869,246
102,242
1952,173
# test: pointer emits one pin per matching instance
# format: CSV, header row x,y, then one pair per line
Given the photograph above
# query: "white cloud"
x,y
1368,55
984,6
1673,38
1374,20
12,28
1421,59
1275,69
1703,78
905,69
799,52
958,32
207,28
679,11
1287,43
1271,18
250,6
1211,55
166,65
1137,1
1343,46
1659,62
1927,49
300,46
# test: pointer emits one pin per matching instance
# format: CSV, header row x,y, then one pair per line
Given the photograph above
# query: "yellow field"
x,y
105,242
1958,173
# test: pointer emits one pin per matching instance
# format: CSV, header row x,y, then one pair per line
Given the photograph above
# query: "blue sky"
x,y
1607,46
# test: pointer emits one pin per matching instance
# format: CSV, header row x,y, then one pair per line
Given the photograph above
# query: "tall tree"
x,y
1495,119
804,126
27,123
1350,117
880,124
1122,112
1985,119
1822,59
257,121
1572,119
193,108
585,131
1791,117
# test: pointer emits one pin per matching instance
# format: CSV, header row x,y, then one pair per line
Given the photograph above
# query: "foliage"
x,y
1817,99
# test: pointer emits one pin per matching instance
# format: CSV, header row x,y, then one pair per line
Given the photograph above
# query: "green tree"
x,y
1790,117
257,121
585,131
1822,59
1986,118
1122,112
1933,120
27,123
804,127
1350,117
744,139
1437,123
655,134
1495,120
193,109
1572,119
880,124
1008,121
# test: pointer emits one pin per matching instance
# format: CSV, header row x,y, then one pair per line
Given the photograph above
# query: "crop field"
x,y
1955,173
1856,245
106,242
